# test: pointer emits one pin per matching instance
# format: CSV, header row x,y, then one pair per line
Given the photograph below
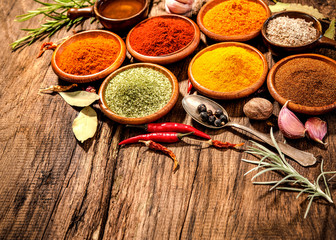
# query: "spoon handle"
x,y
303,158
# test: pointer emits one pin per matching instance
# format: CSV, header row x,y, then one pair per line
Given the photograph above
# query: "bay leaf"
x,y
330,33
279,6
79,98
85,124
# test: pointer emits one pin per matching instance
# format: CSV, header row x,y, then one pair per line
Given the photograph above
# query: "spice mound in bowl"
x,y
228,70
88,56
138,93
307,80
232,20
163,39
292,32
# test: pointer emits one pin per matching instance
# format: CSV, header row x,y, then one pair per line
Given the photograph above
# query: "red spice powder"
x,y
89,55
161,35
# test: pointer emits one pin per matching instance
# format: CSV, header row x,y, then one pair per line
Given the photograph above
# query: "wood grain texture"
x,y
53,187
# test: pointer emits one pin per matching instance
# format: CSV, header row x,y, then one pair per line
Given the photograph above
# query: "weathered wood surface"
x,y
53,187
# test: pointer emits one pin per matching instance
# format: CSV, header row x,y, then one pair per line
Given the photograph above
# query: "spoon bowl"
x,y
190,103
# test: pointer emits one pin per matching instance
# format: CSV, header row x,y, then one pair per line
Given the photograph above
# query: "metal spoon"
x,y
191,102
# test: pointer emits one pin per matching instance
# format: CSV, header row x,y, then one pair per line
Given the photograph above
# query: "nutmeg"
x,y
258,109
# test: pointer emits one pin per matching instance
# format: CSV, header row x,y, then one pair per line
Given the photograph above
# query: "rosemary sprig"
x,y
293,181
57,19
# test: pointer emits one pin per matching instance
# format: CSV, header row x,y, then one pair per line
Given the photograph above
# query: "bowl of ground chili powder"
x,y
232,20
228,70
163,39
88,56
307,80
138,93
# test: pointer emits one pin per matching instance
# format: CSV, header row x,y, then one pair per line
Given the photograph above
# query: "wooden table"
x,y
53,187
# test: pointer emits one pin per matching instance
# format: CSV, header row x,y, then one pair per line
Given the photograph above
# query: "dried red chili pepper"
x,y
190,86
57,88
156,146
171,127
219,144
168,137
46,46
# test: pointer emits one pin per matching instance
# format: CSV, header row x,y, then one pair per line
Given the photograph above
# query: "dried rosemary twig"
x,y
56,14
293,181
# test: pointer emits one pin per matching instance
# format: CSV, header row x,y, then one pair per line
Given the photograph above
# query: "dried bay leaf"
x,y
79,98
85,124
279,6
330,33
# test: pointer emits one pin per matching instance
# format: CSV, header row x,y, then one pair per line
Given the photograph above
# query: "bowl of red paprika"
x,y
232,20
163,39
88,56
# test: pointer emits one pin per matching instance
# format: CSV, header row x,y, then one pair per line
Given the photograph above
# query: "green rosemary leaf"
x,y
292,181
309,205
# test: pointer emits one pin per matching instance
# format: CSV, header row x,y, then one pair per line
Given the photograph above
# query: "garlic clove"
x,y
316,129
177,7
290,126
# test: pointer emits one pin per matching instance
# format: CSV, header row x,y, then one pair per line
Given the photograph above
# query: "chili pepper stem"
x,y
181,135
144,126
145,142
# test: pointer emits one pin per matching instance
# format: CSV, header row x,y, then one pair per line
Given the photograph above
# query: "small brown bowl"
x,y
172,57
110,23
92,77
141,120
221,38
281,50
293,106
229,95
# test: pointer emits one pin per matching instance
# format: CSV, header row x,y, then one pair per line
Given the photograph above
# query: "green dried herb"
x,y
138,92
330,33
85,124
293,181
79,98
56,14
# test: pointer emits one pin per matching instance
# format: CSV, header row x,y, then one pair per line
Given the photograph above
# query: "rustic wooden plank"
x,y
53,187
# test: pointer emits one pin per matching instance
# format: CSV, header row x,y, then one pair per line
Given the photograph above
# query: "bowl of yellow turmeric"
x,y
232,20
228,70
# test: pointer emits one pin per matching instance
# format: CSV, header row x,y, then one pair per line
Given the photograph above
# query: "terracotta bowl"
x,y
110,23
297,107
229,95
221,38
278,49
141,120
172,57
92,77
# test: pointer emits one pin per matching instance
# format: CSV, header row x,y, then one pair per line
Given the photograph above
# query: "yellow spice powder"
x,y
227,69
235,17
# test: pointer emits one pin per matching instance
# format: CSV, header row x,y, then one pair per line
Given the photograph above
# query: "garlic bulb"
x,y
316,129
178,6
289,124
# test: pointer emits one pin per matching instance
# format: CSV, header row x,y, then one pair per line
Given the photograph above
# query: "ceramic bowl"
x,y
297,107
141,120
220,38
172,57
229,95
278,49
92,77
110,23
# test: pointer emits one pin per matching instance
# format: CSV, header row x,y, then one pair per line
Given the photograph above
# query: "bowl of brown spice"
x,y
163,39
232,20
307,80
88,56
292,32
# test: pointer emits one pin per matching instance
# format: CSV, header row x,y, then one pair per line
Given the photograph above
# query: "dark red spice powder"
x,y
307,81
161,35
